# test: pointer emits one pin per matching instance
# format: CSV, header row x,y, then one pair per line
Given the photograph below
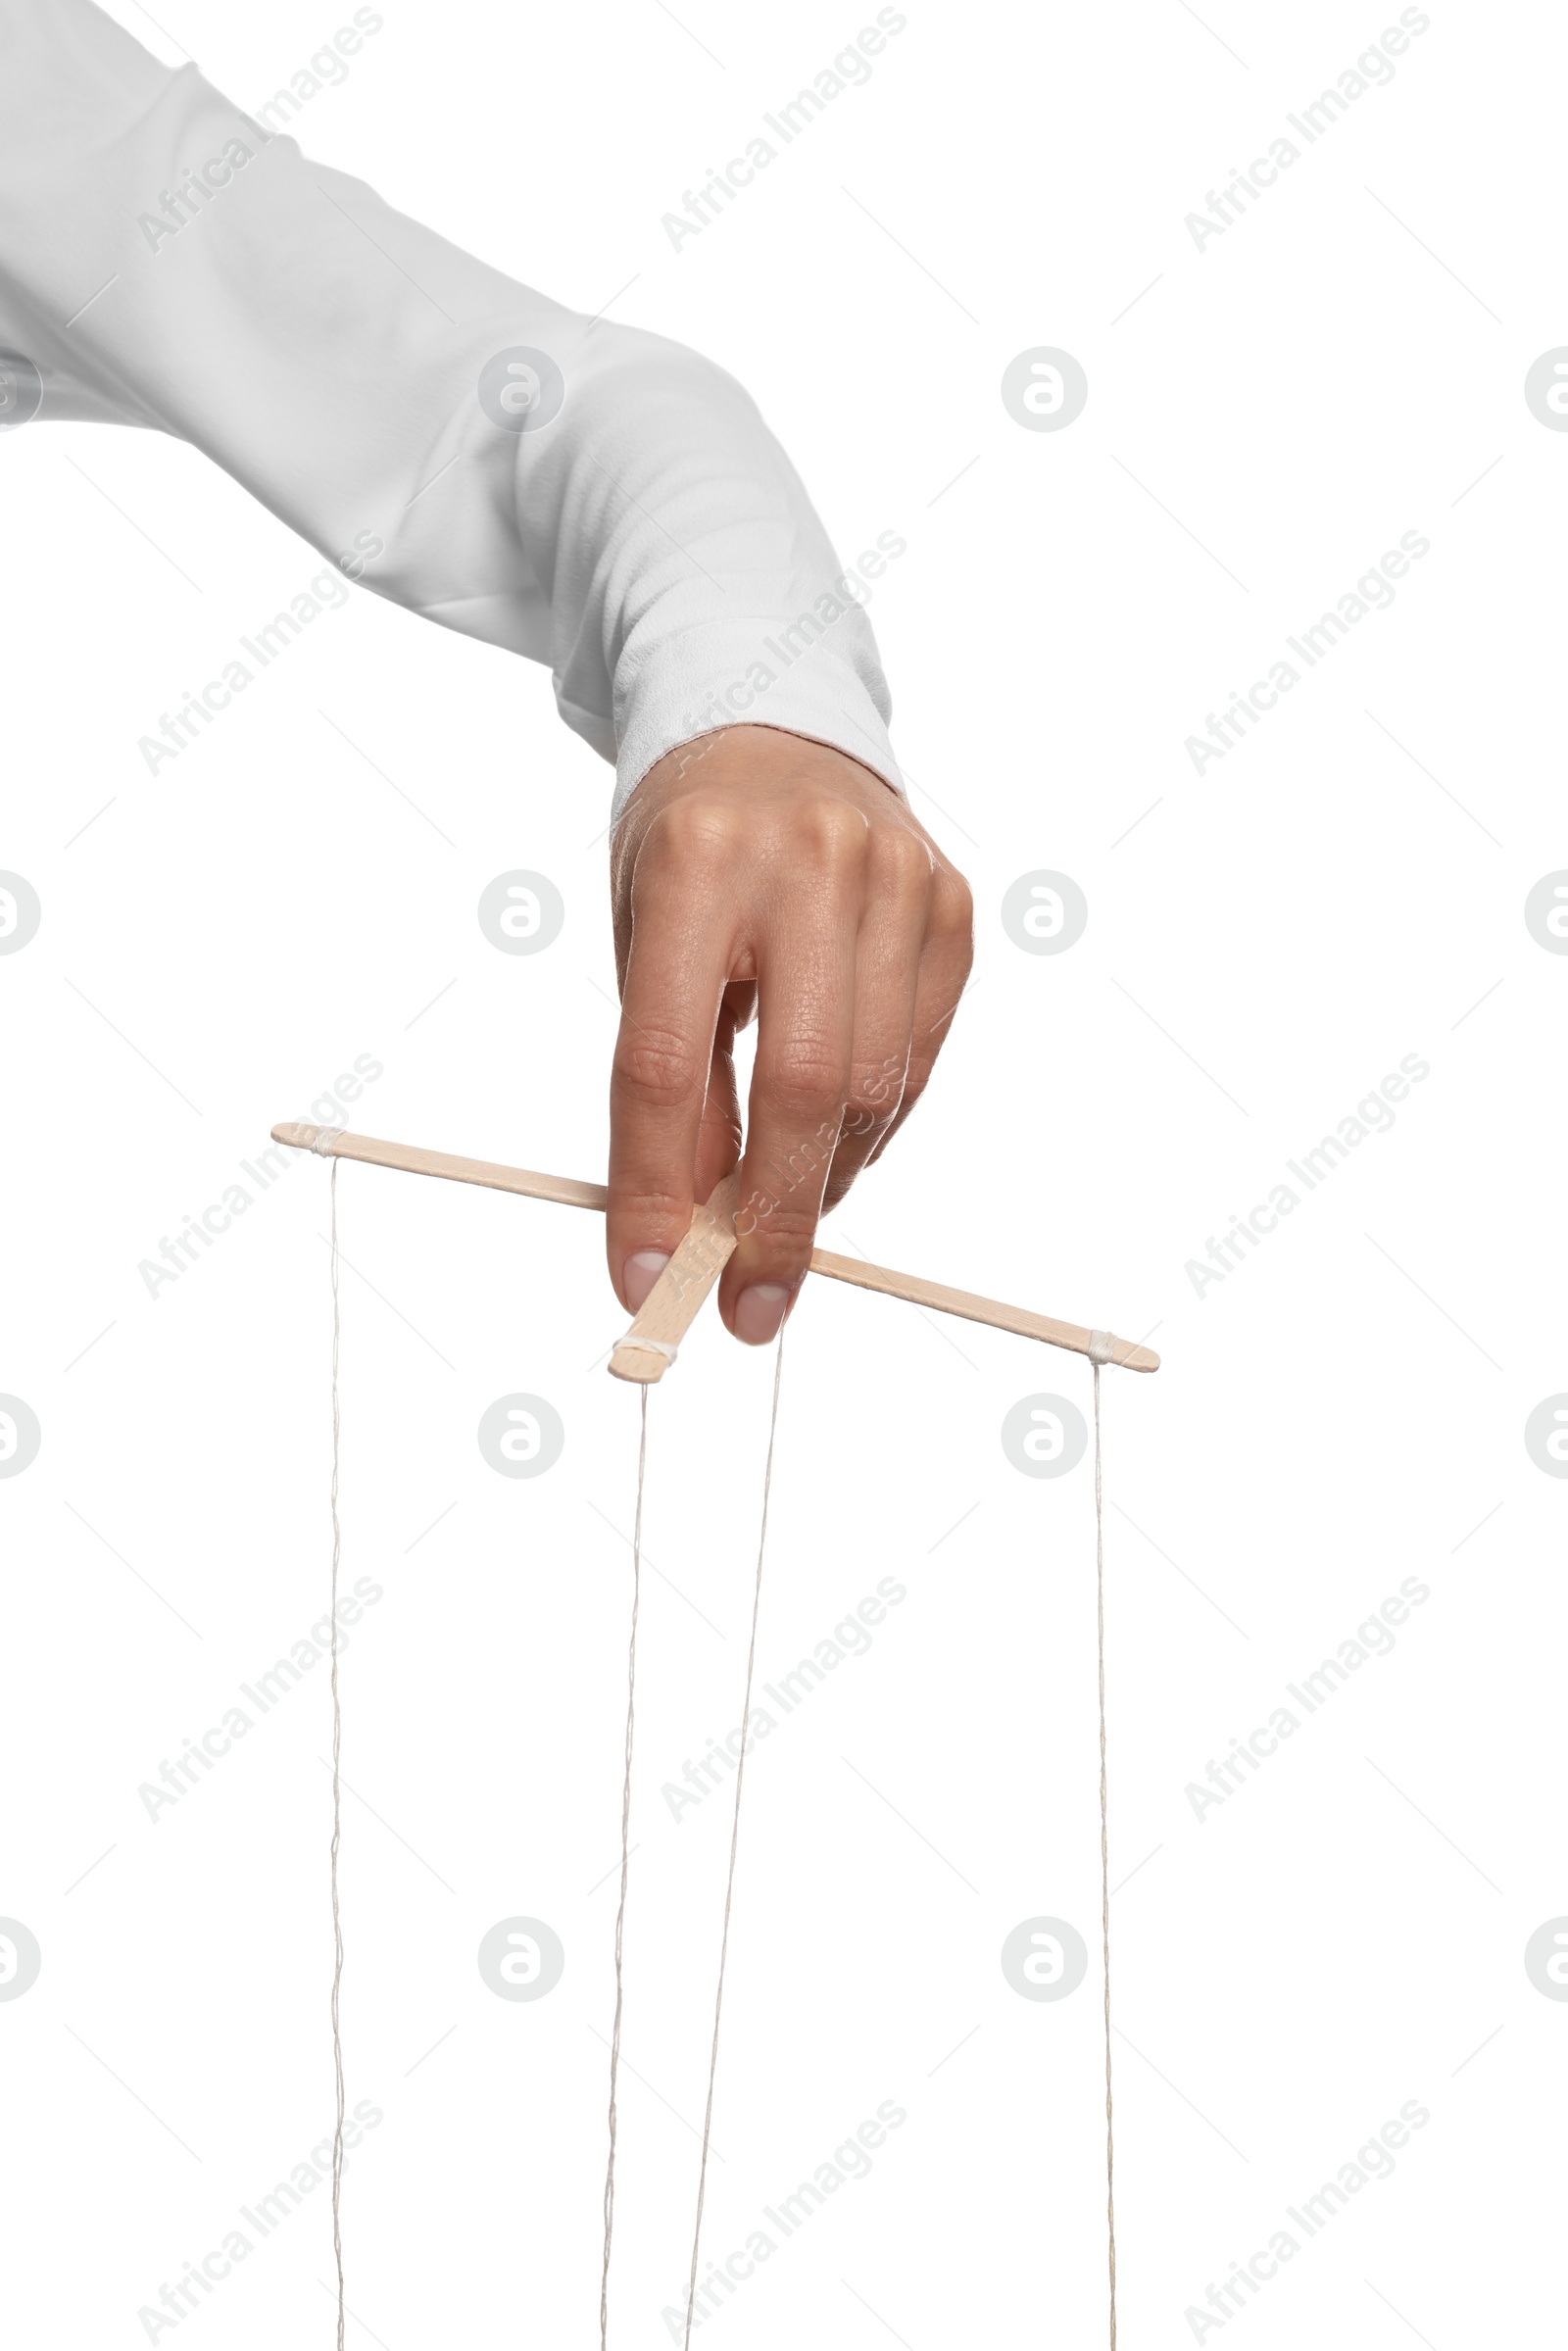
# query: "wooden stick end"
x,y
643,1365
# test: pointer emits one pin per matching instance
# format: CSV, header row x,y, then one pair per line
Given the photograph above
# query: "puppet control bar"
x,y
648,1348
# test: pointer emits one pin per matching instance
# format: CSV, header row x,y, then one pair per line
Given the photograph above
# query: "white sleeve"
x,y
586,495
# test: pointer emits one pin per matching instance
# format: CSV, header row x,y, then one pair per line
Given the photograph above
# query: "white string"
x,y
1100,1352
337,1796
655,1346
323,1139
734,1841
1099,1346
625,1861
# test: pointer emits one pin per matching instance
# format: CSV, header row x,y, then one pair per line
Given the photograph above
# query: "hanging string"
x,y
1100,1352
337,1803
734,1841
1099,1346
625,1861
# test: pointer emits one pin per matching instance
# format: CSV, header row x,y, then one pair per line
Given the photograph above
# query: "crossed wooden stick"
x,y
666,1314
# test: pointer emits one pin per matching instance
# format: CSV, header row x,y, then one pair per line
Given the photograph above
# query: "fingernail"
x,y
640,1272
760,1311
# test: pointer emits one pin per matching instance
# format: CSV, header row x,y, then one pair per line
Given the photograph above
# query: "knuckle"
x,y
953,915
806,1081
700,832
875,1088
645,1207
835,835
902,863
777,1231
658,1069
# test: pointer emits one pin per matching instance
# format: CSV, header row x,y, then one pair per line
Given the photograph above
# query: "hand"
x,y
753,871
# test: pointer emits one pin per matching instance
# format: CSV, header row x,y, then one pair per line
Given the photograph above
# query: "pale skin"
x,y
757,874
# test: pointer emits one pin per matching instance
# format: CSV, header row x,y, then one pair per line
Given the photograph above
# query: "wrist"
x,y
832,696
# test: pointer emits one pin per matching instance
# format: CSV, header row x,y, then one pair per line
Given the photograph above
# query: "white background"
x,y
1344,1933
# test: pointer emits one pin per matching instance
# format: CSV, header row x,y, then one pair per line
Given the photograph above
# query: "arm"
x,y
581,494
168,263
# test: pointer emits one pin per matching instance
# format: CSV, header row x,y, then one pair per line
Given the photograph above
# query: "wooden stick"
x,y
561,1189
1018,1319
671,1307
672,1316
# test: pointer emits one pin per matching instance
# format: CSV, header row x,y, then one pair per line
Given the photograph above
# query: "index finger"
x,y
659,1083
